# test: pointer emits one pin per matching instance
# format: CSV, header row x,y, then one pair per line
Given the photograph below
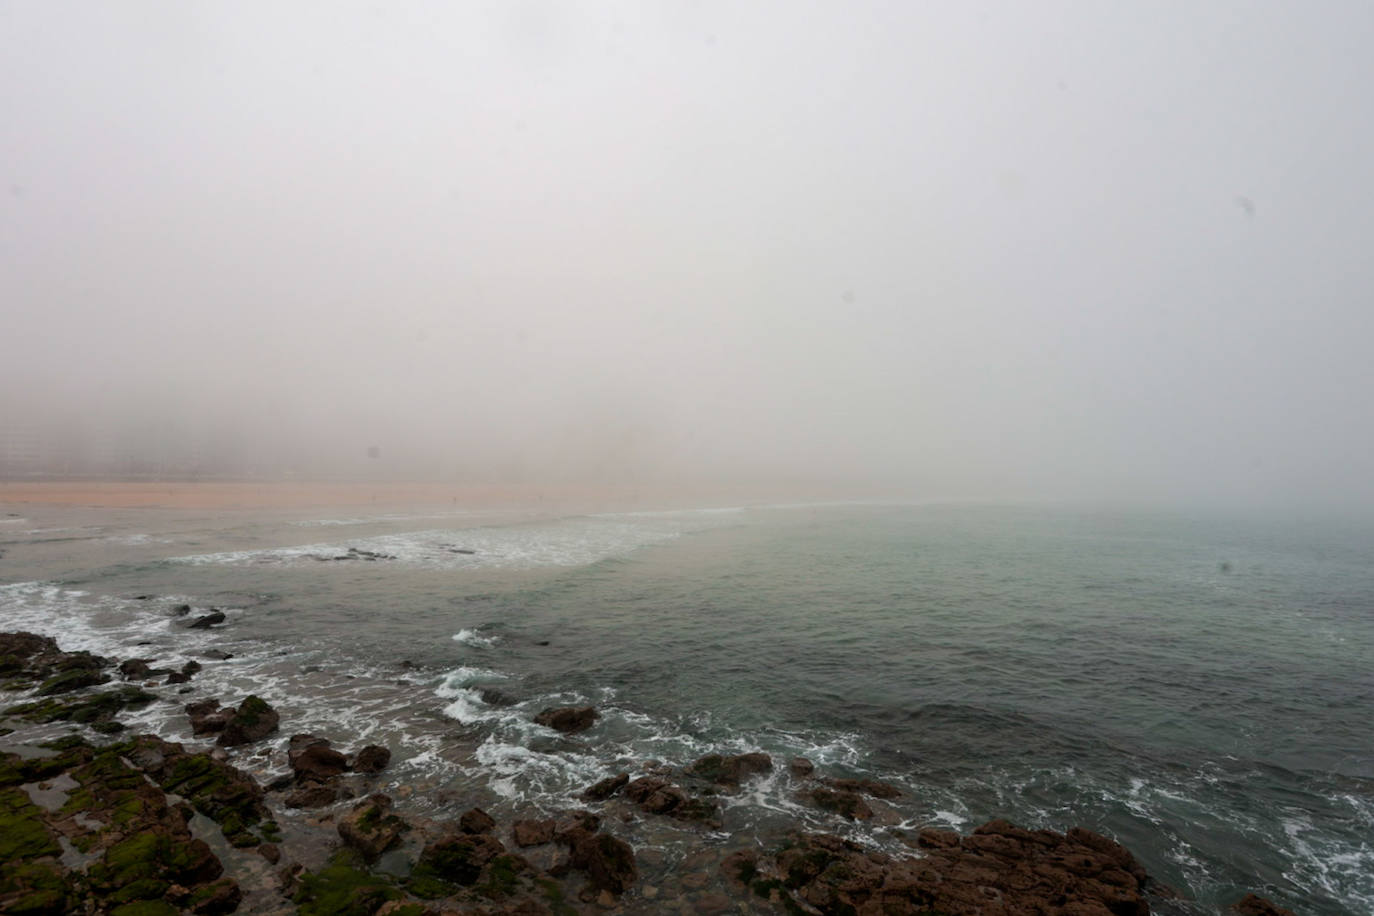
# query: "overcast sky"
x,y
967,249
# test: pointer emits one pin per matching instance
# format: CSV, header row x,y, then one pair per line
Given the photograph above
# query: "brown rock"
x,y
532,832
1255,905
568,719
475,820
370,827
730,771
317,763
801,767
458,859
609,862
848,804
372,759
606,787
252,721
312,796
866,787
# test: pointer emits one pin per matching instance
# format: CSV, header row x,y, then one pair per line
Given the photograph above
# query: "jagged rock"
x,y
730,771
317,763
135,669
206,621
312,795
218,655
190,668
459,859
849,804
372,759
181,610
568,719
999,866
532,832
252,721
207,716
801,767
658,796
609,862
370,827
475,820
606,787
1255,905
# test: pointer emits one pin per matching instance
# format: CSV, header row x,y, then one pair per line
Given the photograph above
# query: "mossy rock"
x,y
23,834
34,888
341,889
146,908
71,680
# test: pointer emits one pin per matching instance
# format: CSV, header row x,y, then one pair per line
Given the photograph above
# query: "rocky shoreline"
x,y
101,822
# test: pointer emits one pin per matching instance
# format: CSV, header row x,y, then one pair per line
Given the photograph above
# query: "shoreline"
x,y
348,850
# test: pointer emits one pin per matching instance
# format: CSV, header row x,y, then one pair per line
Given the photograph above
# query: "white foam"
x,y
474,639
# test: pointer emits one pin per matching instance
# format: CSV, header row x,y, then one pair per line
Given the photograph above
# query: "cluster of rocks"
x,y
122,828
316,768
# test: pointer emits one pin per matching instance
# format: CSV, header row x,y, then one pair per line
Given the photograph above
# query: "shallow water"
x,y
1199,689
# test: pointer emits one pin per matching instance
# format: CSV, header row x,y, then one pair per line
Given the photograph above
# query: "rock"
x,y
533,833
609,862
312,795
475,820
190,668
606,787
801,767
493,696
218,655
181,610
712,904
371,828
271,852
568,719
999,868
372,759
459,859
848,804
206,621
207,717
658,796
318,763
252,721
730,771
1255,905
134,669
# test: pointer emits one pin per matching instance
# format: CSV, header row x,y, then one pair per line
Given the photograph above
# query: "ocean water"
x,y
1201,689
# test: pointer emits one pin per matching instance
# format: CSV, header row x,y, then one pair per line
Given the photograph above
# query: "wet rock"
x,y
191,667
475,820
608,861
1255,905
206,621
372,759
606,787
252,721
493,696
371,828
207,716
848,804
712,904
533,833
656,795
730,771
135,669
1000,867
177,677
181,610
94,709
317,763
271,852
312,795
568,719
457,859
216,655
801,767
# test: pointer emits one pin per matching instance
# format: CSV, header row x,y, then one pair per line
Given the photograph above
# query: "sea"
x,y
1199,687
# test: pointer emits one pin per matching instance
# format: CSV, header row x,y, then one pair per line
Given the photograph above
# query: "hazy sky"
x,y
971,249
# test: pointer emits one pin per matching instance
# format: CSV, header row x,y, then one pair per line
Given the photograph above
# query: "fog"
x,y
964,250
